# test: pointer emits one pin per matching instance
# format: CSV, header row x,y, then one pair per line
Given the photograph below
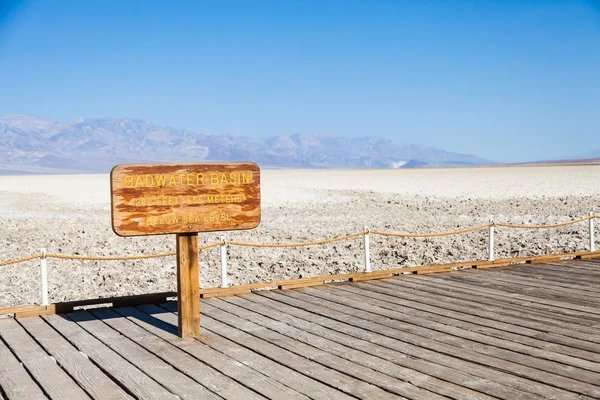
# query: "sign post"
x,y
184,199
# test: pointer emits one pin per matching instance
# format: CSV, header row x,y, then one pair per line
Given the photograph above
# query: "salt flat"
x,y
70,214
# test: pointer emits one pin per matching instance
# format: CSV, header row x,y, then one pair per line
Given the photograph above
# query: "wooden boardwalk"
x,y
521,332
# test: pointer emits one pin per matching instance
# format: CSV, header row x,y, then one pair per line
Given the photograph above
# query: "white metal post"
x,y
367,251
223,262
44,273
491,243
592,237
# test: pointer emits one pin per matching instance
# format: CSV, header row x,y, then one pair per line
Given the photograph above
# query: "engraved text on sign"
x,y
152,199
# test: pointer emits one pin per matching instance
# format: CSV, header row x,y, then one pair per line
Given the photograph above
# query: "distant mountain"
x,y
30,144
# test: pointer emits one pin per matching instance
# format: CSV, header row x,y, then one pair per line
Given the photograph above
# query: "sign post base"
x,y
188,285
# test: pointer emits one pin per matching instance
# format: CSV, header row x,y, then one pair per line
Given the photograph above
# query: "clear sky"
x,y
507,80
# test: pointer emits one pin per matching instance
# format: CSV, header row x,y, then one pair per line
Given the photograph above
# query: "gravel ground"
x,y
71,215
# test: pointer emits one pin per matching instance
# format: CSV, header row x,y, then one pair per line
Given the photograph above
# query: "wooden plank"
x,y
522,370
243,356
28,310
428,344
154,199
518,286
162,372
317,352
288,352
581,337
418,305
54,381
588,265
537,302
403,321
247,376
16,383
501,304
180,360
558,269
543,281
373,341
223,293
91,378
188,295
538,279
129,376
563,280
510,305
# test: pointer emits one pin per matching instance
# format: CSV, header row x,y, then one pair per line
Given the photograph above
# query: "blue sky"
x,y
507,80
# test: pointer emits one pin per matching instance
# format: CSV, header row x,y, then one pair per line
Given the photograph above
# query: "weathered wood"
x,y
517,366
16,383
436,352
543,281
558,306
188,285
394,298
77,365
519,287
54,381
153,199
510,305
502,304
121,370
180,360
155,320
422,373
246,356
162,372
530,352
305,359
374,370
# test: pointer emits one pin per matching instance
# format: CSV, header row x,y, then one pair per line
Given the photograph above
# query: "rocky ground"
x,y
71,215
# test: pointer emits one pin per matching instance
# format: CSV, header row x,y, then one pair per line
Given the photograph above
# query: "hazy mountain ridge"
x,y
33,144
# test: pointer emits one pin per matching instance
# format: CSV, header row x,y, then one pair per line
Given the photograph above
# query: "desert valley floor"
x,y
71,215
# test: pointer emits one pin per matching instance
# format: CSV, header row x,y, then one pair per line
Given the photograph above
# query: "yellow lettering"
x,y
199,179
214,178
233,178
161,180
245,177
189,179
149,181
197,219
172,181
224,179
128,181
139,181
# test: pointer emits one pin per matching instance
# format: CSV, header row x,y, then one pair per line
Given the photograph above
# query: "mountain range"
x,y
29,144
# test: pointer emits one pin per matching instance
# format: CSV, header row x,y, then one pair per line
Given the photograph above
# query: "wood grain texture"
x,y
179,384
155,199
52,378
378,374
79,367
188,285
246,357
14,379
110,360
182,361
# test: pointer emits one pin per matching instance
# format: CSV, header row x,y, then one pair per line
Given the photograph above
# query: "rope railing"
x,y
43,256
303,244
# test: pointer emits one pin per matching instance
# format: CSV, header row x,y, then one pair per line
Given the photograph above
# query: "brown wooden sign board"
x,y
184,199
151,199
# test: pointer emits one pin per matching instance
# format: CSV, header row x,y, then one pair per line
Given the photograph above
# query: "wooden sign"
x,y
152,199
